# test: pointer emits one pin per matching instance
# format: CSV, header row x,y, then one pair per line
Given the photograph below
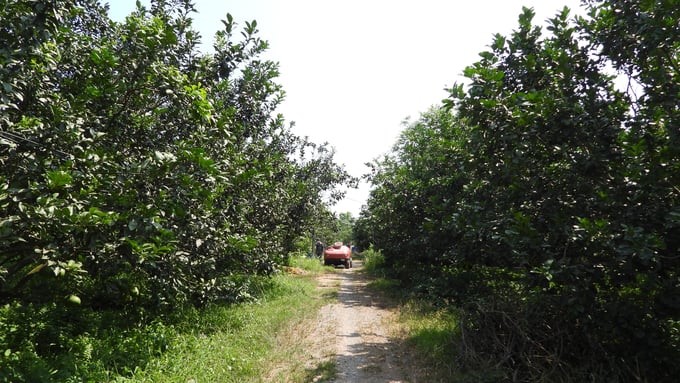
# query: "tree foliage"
x,y
546,189
137,172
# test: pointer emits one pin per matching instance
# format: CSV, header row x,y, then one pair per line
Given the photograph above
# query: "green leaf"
x,y
58,178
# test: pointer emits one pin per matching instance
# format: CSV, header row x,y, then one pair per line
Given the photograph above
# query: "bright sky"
x,y
354,70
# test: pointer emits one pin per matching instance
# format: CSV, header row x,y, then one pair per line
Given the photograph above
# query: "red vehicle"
x,y
338,254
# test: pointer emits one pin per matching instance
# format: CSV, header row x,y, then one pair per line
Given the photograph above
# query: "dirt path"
x,y
358,325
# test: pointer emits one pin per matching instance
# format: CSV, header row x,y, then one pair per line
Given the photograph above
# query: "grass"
x,y
374,262
324,372
232,344
247,342
239,343
431,332
310,264
387,287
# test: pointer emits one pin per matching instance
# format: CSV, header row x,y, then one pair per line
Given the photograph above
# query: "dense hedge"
x,y
137,176
542,199
134,164
137,173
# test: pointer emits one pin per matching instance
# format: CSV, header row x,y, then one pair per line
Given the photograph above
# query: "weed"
x,y
219,343
384,285
310,264
234,343
324,372
374,262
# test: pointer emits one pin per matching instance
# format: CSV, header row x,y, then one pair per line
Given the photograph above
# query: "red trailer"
x,y
338,254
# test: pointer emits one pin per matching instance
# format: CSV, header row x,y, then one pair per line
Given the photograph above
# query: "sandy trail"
x,y
358,325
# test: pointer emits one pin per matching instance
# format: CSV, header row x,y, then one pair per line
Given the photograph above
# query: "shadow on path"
x,y
366,351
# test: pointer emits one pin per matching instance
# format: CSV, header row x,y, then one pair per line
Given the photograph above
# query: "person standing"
x,y
318,249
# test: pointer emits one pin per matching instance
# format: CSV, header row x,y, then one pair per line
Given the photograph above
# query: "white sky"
x,y
353,70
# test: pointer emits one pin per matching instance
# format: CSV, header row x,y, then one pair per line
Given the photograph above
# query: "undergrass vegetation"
x,y
324,372
433,332
223,342
388,287
234,344
311,264
374,262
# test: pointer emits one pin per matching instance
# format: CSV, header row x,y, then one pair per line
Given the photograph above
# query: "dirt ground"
x,y
357,333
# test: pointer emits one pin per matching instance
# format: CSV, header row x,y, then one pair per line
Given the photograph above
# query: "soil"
x,y
357,333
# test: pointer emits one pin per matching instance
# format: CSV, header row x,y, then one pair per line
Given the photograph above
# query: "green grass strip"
x,y
235,343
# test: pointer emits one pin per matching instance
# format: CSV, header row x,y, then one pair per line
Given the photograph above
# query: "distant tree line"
x,y
541,199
